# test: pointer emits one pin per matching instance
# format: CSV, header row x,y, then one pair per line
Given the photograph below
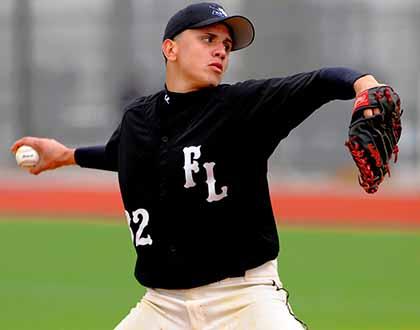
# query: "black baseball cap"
x,y
207,13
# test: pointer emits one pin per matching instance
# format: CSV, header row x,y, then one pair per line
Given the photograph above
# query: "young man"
x,y
192,167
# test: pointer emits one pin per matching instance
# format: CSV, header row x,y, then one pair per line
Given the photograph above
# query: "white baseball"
x,y
27,156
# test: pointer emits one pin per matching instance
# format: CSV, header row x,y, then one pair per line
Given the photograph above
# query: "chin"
x,y
209,81
209,84
214,82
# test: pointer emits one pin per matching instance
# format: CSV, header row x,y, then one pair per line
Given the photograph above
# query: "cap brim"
x,y
241,27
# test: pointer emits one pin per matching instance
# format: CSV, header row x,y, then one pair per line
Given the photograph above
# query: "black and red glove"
x,y
373,140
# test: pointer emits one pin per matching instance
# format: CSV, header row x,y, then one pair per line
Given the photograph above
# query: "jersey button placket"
x,y
162,164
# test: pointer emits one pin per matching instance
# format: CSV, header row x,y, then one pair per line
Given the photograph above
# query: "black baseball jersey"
x,y
192,170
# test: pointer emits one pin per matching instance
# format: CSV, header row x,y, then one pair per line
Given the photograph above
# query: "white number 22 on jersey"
x,y
136,236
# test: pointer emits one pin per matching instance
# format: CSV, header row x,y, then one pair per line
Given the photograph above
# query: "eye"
x,y
207,38
228,47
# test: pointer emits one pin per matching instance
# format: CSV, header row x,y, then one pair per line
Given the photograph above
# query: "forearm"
x,y
94,157
340,83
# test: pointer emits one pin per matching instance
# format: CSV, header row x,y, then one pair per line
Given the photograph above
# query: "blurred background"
x,y
66,69
350,260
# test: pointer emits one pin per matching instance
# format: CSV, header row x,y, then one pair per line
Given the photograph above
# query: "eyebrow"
x,y
211,34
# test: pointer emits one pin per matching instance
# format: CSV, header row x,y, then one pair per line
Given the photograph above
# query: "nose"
x,y
220,51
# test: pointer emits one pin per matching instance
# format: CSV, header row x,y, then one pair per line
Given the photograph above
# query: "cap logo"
x,y
218,11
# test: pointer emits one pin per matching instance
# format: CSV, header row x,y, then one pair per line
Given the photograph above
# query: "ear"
x,y
170,49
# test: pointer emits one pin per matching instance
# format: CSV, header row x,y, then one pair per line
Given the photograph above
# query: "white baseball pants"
x,y
255,301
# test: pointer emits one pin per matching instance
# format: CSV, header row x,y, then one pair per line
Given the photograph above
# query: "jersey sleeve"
x,y
273,107
101,157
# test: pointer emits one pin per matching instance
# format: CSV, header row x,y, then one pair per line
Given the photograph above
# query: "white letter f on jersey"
x,y
189,166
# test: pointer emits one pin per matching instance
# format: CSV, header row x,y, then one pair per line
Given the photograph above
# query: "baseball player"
x,y
192,168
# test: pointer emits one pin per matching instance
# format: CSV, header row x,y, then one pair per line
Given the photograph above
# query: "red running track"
x,y
302,208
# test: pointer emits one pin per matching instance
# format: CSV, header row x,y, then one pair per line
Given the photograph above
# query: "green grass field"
x,y
78,274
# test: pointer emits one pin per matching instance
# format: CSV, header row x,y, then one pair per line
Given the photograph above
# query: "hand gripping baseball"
x,y
52,154
373,140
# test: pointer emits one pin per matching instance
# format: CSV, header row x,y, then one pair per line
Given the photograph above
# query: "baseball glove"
x,y
373,140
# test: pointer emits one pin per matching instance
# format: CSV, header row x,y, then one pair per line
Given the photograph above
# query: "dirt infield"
x,y
294,206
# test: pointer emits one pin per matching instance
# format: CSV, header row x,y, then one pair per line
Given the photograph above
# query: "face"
x,y
201,56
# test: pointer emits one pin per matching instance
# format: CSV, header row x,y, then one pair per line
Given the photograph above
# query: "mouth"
x,y
217,67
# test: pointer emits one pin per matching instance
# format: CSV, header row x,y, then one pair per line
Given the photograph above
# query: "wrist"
x,y
365,83
68,157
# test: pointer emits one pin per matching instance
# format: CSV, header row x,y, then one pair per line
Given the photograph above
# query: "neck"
x,y
178,86
178,82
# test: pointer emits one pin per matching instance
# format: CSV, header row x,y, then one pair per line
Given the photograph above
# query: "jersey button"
x,y
164,139
172,249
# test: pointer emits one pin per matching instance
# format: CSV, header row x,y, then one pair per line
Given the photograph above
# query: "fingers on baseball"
x,y
39,168
35,170
27,140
